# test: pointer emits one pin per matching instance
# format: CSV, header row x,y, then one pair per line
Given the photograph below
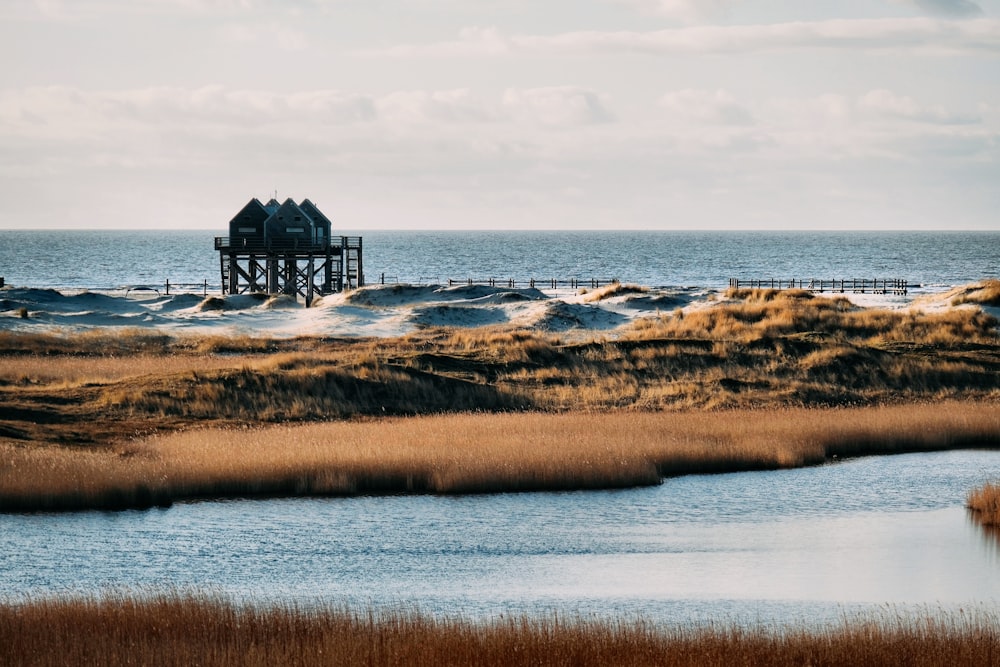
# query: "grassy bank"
x,y
472,453
179,630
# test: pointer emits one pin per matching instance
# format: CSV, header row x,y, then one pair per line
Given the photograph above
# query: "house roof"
x,y
313,212
289,213
286,213
253,213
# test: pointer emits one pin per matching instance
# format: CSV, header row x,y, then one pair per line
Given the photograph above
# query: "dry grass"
x,y
984,502
986,293
73,371
198,630
753,315
472,453
613,289
757,348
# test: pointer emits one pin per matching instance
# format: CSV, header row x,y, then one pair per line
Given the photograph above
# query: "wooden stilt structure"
x,y
287,248
296,271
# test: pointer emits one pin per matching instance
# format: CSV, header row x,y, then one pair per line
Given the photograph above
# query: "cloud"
x,y
472,41
953,8
72,112
67,111
685,11
559,105
422,106
66,10
533,155
920,35
887,104
718,107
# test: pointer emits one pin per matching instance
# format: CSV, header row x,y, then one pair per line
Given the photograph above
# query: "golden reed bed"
x,y
199,630
472,453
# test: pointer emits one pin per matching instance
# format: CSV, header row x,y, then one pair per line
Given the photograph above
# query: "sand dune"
x,y
382,310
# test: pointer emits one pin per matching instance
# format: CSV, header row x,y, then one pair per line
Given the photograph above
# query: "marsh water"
x,y
794,545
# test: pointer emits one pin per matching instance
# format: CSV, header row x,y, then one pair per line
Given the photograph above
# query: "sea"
x,y
929,261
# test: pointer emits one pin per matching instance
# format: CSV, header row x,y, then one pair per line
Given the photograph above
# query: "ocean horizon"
x,y
107,259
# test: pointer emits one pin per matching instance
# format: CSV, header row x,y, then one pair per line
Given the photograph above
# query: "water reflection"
x,y
989,535
811,543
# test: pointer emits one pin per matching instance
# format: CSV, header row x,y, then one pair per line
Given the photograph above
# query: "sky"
x,y
503,114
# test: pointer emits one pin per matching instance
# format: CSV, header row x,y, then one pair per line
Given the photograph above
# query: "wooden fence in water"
x,y
897,286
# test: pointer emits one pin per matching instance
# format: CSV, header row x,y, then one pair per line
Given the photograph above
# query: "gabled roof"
x,y
289,213
253,213
313,212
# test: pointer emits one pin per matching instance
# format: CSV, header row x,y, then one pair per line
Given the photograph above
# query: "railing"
x,y
143,290
229,244
897,286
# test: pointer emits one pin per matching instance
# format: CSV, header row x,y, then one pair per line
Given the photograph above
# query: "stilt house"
x,y
287,248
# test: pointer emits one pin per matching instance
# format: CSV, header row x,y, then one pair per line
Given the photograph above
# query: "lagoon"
x,y
778,546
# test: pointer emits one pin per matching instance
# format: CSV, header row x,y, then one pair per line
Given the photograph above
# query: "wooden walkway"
x,y
896,286
546,283
511,283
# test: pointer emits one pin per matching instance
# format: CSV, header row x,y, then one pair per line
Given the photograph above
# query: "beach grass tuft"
x,y
612,290
984,293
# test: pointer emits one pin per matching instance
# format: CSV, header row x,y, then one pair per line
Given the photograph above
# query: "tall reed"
x,y
473,453
187,629
984,501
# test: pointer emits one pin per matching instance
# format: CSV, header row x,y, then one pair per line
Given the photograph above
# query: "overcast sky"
x,y
503,114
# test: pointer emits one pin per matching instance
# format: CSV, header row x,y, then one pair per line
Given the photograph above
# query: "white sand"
x,y
381,310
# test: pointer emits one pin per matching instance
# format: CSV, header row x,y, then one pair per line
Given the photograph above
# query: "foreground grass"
x,y
189,630
472,453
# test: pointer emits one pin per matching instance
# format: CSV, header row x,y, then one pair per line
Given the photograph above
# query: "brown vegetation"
x,y
759,348
613,289
82,404
471,453
192,630
985,293
984,501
